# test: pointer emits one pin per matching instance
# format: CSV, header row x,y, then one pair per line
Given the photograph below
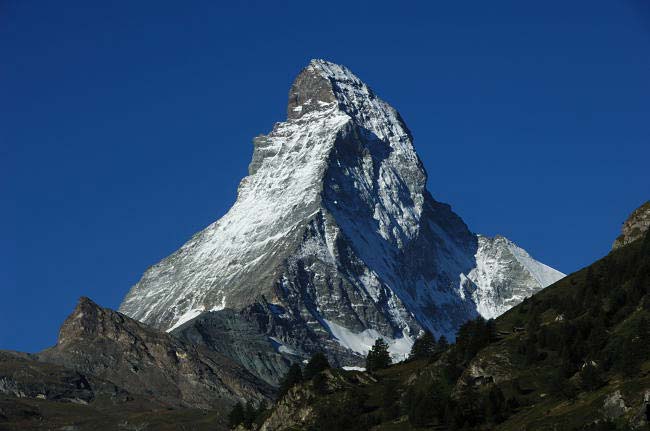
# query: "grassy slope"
x,y
556,411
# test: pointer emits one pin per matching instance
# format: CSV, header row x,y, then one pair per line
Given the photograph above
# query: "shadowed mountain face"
x,y
240,337
335,237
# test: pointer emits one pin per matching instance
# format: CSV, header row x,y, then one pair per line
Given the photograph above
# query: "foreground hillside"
x,y
575,356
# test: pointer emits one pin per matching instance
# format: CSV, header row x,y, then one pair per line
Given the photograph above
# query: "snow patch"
x,y
362,342
186,317
281,347
221,306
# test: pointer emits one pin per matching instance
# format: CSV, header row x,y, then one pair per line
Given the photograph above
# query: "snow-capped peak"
x,y
334,227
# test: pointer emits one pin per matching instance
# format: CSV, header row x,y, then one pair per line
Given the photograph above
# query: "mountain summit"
x,y
334,239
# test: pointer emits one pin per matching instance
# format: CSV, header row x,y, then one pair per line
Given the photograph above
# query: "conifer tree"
x,y
291,379
249,415
236,415
320,383
316,364
443,344
390,401
590,377
424,347
378,357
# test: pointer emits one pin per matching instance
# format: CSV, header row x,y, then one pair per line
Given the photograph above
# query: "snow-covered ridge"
x,y
543,274
505,274
272,204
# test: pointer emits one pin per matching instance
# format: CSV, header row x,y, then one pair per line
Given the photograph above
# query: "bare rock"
x,y
635,226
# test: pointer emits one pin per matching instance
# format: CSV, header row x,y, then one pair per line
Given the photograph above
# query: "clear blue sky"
x,y
127,125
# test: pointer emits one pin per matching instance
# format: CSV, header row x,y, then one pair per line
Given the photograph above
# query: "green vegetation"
x,y
378,357
291,379
246,416
549,363
424,347
316,364
250,417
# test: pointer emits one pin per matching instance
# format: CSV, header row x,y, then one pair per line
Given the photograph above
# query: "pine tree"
x,y
390,401
378,357
590,377
474,335
249,415
443,344
424,347
630,356
319,382
591,282
236,415
316,364
291,379
495,406
260,413
421,408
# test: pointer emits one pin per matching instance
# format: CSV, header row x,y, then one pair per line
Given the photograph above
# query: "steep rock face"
x,y
634,227
238,336
333,229
108,345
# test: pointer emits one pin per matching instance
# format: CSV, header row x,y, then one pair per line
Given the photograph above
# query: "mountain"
x,y
573,357
505,274
634,227
108,371
336,238
100,342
